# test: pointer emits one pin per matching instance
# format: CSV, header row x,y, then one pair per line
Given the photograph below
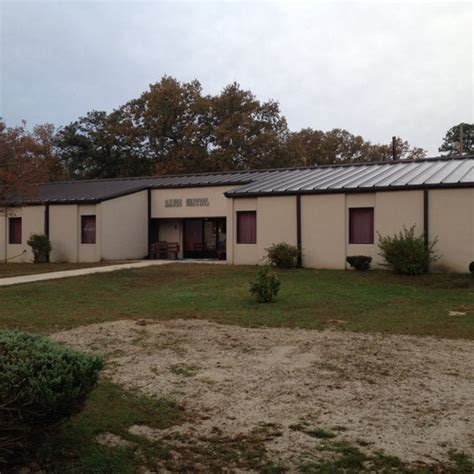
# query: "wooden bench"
x,y
164,249
173,249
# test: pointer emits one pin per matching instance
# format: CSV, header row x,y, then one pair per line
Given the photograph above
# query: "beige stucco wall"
x,y
451,219
325,224
323,230
276,222
90,252
217,202
32,222
65,233
124,227
393,211
241,254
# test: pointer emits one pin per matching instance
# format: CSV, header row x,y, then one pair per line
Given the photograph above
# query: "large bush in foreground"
x,y
41,385
266,287
41,247
407,253
283,255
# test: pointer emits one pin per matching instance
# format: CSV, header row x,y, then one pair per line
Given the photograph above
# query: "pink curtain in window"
x,y
247,227
361,225
88,229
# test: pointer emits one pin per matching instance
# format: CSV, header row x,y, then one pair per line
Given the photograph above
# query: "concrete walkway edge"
x,y
89,271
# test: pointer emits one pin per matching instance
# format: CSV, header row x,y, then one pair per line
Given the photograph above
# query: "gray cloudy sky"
x,y
376,69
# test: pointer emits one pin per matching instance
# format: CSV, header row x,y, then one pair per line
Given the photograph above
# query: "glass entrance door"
x,y
204,238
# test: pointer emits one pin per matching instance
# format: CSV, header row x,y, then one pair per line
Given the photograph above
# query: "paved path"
x,y
88,271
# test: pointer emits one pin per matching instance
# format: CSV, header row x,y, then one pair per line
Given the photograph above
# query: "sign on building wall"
x,y
173,203
197,202
190,202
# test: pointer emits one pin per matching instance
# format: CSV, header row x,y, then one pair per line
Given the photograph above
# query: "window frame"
x,y
238,239
84,219
354,210
11,233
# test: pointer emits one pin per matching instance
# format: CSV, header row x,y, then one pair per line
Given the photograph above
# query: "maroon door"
x,y
193,238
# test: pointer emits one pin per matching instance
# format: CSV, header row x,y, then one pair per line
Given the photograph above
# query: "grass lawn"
x,y
11,269
110,409
373,301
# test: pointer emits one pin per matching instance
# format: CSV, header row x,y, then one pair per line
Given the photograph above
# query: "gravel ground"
x,y
409,397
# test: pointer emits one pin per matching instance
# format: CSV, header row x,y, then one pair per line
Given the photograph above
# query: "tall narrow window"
x,y
88,229
247,227
14,230
361,225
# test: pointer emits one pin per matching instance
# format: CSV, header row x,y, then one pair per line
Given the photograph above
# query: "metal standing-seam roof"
x,y
91,191
416,174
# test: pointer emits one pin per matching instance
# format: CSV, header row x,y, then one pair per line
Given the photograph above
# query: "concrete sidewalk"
x,y
82,271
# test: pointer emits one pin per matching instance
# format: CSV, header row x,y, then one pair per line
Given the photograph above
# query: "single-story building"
x,y
330,212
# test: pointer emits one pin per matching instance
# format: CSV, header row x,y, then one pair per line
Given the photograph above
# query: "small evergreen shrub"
x,y
407,253
360,263
283,255
266,287
41,246
471,267
41,384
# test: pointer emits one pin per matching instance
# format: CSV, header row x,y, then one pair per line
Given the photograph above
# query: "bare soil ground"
x,y
409,397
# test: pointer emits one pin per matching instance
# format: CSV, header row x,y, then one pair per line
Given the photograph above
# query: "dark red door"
x,y
193,238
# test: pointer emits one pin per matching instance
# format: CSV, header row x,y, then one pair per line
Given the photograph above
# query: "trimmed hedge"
x,y
407,253
283,255
41,384
360,263
41,247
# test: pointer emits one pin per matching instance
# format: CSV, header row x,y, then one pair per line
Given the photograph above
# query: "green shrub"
x,y
283,255
359,262
41,384
41,246
266,287
407,253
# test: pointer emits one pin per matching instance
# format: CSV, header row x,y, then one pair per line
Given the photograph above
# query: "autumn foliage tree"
x,y
173,127
26,158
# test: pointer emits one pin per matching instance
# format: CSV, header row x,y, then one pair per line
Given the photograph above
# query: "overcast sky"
x,y
376,69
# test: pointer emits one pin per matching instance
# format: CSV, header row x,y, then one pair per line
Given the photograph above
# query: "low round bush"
x,y
360,263
266,287
407,253
283,255
41,247
41,384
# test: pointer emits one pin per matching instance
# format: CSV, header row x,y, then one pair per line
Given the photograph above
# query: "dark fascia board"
x,y
237,194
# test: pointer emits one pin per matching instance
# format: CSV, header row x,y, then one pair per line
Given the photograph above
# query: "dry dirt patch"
x,y
410,397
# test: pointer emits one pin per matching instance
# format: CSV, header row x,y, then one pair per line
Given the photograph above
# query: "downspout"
x,y
5,212
46,225
298,231
426,222
149,221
